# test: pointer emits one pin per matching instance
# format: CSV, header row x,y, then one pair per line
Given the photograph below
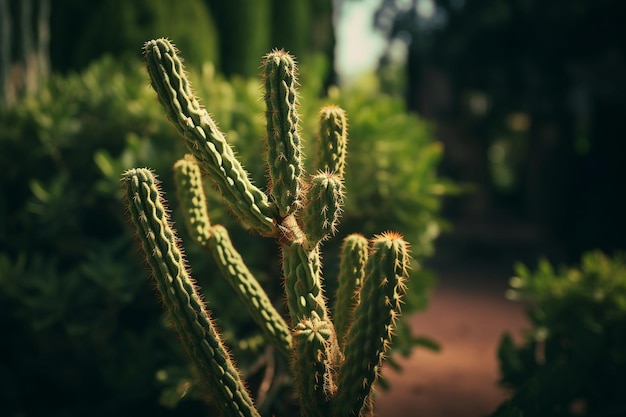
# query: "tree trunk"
x,y
24,48
6,95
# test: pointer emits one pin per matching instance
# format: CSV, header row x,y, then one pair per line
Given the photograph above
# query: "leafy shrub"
x,y
83,330
78,317
573,359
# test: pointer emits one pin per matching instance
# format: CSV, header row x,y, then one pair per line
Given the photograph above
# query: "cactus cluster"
x,y
334,363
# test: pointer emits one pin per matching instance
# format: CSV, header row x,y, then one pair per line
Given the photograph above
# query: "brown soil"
x,y
467,318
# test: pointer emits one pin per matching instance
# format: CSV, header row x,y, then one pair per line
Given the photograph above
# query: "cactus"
x,y
334,365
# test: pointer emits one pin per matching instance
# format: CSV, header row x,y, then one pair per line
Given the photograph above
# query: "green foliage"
x,y
75,321
79,319
573,359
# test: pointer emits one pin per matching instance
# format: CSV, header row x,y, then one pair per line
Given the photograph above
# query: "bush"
x,y
85,332
573,359
78,315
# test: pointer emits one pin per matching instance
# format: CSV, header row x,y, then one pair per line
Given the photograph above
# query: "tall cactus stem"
x,y
374,320
354,253
332,140
204,140
283,137
306,302
189,316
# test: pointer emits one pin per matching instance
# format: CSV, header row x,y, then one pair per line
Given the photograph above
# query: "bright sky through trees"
x,y
358,46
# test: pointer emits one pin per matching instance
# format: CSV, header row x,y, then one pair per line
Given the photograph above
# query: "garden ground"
x,y
467,315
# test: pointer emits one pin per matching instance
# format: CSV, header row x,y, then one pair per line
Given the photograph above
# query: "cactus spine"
x,y
301,211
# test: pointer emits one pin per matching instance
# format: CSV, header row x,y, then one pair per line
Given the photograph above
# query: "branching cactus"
x,y
334,364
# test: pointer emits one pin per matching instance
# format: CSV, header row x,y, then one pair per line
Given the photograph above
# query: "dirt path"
x,y
467,319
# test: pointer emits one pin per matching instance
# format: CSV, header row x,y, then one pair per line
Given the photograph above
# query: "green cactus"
x,y
204,139
354,253
283,137
187,312
332,140
334,365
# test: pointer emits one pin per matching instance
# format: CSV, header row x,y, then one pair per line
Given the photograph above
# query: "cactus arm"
x,y
324,206
230,263
332,140
283,137
204,140
192,199
351,274
190,318
374,320
249,290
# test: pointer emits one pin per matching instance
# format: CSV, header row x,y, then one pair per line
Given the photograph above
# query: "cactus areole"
x,y
334,364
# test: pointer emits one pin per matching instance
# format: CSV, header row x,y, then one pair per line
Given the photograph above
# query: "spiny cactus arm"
x,y
250,292
354,253
313,382
192,199
232,266
204,140
191,320
374,321
332,140
283,137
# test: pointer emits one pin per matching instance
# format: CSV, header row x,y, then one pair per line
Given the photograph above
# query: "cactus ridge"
x,y
199,336
232,266
354,254
324,206
302,269
334,364
204,140
283,136
332,140
192,199
249,290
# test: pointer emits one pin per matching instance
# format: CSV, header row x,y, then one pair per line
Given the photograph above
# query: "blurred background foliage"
x,y
526,97
85,331
573,357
